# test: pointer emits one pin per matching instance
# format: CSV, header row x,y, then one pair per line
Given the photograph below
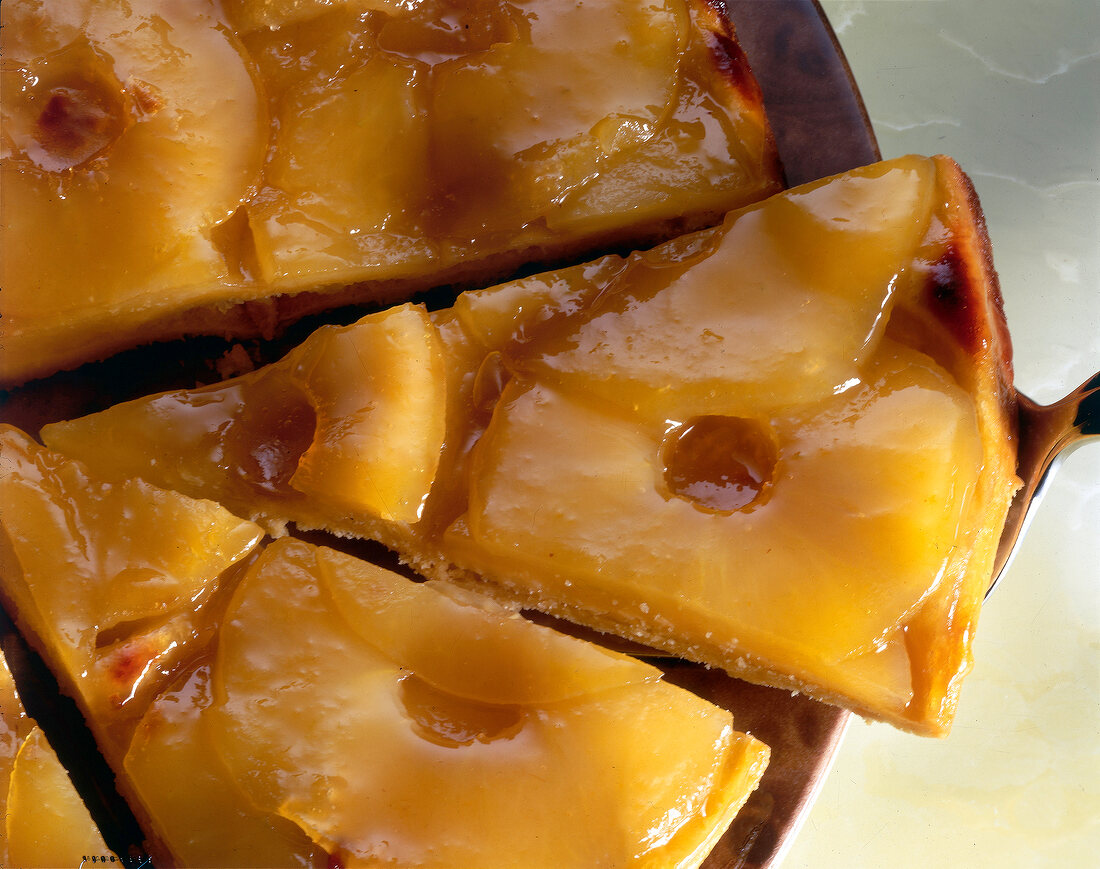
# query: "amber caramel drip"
x,y
720,463
441,30
234,241
266,441
452,721
489,383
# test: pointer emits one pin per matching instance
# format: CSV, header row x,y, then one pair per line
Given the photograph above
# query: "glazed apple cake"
x,y
297,706
174,169
782,446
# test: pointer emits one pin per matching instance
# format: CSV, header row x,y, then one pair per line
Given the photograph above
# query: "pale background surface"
x,y
1010,89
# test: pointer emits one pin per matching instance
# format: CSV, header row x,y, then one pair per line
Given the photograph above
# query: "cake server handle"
x,y
1047,434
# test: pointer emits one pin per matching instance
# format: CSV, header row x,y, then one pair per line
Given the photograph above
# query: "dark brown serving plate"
x,y
821,129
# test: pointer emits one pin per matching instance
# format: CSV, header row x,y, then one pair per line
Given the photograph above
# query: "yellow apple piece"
x,y
44,821
348,206
351,420
413,626
132,131
516,312
535,138
376,445
14,727
459,139
47,822
189,797
779,308
322,719
109,578
698,151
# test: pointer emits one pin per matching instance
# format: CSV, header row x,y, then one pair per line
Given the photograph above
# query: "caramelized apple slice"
x,y
412,627
132,130
45,823
474,143
189,797
109,579
461,138
354,416
512,314
377,445
682,156
813,290
534,141
347,206
325,721
14,727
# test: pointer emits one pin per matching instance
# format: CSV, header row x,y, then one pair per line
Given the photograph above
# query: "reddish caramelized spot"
x,y
126,666
950,298
79,108
730,60
129,662
719,463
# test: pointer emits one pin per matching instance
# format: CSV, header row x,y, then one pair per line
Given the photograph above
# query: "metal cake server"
x,y
1047,433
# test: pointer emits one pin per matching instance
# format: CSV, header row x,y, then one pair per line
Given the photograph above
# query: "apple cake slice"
x,y
782,446
45,823
175,169
297,706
